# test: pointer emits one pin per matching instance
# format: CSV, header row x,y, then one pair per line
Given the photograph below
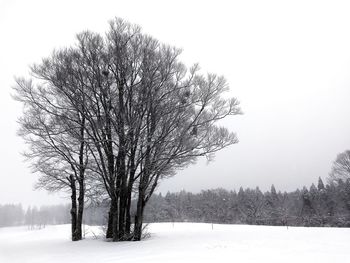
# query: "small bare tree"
x,y
341,168
55,133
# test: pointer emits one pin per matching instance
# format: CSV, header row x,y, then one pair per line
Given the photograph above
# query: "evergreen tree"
x,y
320,185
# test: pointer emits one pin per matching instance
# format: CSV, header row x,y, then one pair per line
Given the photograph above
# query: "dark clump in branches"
x,y
112,116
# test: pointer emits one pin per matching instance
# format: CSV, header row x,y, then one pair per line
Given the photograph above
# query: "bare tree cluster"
x,y
115,114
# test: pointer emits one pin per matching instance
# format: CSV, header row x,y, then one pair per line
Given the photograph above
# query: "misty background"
x,y
288,64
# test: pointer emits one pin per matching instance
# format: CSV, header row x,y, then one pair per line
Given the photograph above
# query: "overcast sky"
x,y
288,62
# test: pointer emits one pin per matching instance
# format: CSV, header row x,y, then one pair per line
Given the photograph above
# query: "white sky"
x,y
288,62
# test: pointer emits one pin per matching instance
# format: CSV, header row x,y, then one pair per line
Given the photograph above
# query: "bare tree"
x,y
341,168
55,133
144,115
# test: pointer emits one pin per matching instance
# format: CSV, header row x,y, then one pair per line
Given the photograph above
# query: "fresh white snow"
x,y
180,242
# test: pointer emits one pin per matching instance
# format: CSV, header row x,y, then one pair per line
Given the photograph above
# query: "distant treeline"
x,y
39,217
15,215
317,206
321,205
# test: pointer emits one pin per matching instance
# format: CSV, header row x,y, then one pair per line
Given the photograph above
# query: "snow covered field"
x,y
181,242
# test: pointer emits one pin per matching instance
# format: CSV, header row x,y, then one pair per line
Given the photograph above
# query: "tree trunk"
x,y
129,191
122,210
115,226
127,213
145,176
73,211
139,217
79,222
109,233
121,166
122,191
81,183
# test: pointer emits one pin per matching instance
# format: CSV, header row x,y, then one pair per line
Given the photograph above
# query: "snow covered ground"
x,y
181,242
